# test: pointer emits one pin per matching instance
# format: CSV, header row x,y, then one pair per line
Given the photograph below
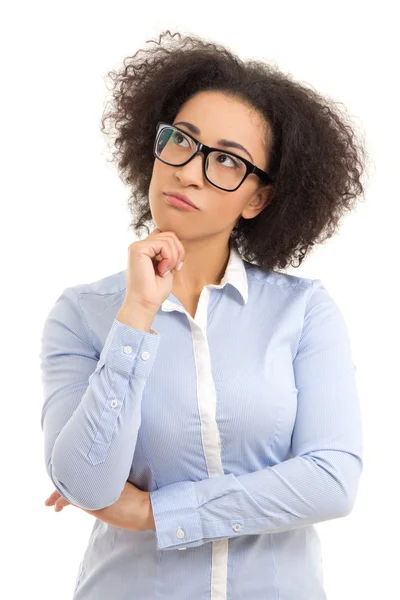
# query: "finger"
x,y
181,252
179,247
170,256
52,498
178,251
61,502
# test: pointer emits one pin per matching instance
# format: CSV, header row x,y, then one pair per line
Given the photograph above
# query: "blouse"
x,y
243,423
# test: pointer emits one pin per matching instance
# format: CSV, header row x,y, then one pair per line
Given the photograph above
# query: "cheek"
x,y
155,174
158,174
157,183
227,209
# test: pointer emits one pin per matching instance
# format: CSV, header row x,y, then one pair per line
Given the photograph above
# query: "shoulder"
x,y
99,300
278,280
106,286
305,292
86,304
84,312
100,293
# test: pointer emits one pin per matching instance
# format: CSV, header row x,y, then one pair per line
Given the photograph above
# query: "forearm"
x,y
148,517
301,491
135,317
92,455
132,511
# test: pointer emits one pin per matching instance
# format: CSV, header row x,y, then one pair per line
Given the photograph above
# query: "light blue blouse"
x,y
243,423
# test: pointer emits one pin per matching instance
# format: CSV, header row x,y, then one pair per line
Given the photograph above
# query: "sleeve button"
x,y
180,533
237,527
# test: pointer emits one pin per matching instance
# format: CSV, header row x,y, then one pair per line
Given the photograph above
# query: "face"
x,y
217,116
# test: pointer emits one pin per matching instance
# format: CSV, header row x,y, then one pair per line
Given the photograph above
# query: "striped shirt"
x,y
243,423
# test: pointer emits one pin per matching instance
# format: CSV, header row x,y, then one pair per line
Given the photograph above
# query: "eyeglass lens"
x,y
175,148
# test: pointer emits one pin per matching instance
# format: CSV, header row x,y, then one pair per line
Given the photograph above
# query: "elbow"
x,y
80,491
349,482
348,507
341,472
353,482
351,498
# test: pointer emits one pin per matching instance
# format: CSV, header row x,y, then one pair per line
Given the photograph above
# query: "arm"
x,y
319,483
131,511
92,409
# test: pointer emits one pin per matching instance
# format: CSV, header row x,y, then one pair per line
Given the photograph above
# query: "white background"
x,y
65,221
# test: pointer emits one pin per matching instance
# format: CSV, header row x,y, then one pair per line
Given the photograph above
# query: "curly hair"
x,y
316,160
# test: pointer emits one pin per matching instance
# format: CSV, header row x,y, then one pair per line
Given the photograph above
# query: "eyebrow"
x,y
222,142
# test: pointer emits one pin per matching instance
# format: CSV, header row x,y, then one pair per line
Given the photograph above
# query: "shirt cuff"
x,y
122,347
176,517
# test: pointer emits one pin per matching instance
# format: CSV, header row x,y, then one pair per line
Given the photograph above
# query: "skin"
x,y
205,233
131,511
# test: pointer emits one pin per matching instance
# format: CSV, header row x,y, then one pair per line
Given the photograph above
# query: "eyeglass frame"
x,y
250,167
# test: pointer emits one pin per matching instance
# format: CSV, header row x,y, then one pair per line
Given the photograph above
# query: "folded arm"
x,y
92,409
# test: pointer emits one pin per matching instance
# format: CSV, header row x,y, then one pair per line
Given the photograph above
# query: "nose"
x,y
193,171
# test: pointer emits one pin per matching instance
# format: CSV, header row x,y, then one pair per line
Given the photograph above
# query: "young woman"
x,y
202,403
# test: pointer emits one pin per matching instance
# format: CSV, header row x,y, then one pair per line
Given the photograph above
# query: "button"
x,y
114,403
180,533
145,355
182,548
128,349
237,527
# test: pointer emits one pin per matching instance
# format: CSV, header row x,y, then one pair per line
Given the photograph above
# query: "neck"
x,y
205,263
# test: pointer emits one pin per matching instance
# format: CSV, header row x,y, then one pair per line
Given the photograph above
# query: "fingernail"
x,y
166,273
179,267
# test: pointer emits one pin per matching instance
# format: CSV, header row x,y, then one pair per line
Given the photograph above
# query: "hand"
x,y
145,285
131,511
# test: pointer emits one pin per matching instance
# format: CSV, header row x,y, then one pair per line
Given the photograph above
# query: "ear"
x,y
264,196
261,199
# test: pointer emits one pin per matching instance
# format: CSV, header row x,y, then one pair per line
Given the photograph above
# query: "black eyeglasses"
x,y
227,175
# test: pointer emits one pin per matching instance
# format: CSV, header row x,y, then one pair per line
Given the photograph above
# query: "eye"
x,y
235,163
177,135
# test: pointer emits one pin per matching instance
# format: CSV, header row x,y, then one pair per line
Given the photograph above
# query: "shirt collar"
x,y
235,274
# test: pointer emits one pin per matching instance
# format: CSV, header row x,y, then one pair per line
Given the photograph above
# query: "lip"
x,y
180,197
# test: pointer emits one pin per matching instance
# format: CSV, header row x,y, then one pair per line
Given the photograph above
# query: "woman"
x,y
201,403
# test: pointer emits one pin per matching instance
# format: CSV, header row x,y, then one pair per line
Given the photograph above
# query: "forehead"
x,y
219,115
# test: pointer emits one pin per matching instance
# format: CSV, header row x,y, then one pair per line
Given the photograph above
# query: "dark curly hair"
x,y
316,160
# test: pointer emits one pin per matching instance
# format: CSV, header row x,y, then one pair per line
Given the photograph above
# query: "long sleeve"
x,y
92,402
320,482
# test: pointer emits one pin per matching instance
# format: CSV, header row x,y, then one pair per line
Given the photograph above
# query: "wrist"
x,y
135,317
148,518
